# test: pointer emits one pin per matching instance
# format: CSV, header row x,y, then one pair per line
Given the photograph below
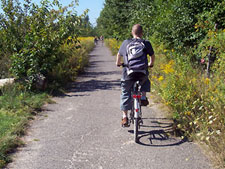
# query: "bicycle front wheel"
x,y
136,130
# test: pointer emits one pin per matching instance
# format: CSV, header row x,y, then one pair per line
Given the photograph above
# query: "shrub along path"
x,y
82,130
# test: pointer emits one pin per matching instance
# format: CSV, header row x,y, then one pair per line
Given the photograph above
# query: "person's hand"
x,y
118,64
150,65
121,65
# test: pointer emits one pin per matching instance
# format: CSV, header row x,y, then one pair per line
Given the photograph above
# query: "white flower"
x,y
218,132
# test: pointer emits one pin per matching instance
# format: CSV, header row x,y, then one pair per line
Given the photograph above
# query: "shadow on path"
x,y
157,134
93,85
96,74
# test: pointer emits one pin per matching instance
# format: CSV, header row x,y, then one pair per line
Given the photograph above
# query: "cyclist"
x,y
96,40
102,39
126,81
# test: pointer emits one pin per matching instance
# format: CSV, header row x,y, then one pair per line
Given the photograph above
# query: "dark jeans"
x,y
126,87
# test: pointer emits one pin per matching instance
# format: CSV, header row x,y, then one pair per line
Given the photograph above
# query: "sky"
x,y
94,6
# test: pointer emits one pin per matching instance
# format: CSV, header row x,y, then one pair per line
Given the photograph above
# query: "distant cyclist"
x,y
102,39
96,40
134,53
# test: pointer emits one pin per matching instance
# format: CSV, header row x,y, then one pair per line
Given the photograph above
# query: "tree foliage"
x,y
114,19
172,22
31,35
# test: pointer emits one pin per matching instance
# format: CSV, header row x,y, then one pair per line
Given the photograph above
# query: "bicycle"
x,y
135,114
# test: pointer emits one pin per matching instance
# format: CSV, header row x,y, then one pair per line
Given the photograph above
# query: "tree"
x,y
114,19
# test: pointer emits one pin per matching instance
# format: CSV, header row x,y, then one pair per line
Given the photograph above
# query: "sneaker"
x,y
124,122
144,102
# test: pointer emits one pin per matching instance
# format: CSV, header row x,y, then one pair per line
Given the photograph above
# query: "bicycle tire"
x,y
132,115
136,130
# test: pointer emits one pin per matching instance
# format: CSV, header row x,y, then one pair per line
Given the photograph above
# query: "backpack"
x,y
136,57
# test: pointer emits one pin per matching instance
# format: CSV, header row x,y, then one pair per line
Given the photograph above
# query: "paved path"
x,y
82,130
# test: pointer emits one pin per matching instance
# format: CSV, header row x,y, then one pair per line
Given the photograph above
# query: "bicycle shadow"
x,y
159,135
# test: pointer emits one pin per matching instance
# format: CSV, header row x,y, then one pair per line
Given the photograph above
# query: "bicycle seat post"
x,y
137,86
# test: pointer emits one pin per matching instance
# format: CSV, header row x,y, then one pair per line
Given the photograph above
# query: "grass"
x,y
16,109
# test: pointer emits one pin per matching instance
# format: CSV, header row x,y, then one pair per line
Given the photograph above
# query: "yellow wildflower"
x,y
167,68
210,33
160,78
188,113
85,38
206,81
196,26
69,38
171,62
194,80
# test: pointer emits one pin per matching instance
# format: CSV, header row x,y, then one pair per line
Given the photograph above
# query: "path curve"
x,y
82,130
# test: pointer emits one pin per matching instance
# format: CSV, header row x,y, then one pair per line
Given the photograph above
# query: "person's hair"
x,y
137,29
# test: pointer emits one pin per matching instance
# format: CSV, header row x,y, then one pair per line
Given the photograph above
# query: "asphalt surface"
x,y
82,130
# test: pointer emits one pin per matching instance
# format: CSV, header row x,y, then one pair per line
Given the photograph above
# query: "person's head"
x,y
137,30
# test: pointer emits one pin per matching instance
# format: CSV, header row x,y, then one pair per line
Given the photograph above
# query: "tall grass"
x,y
197,101
16,108
74,57
114,45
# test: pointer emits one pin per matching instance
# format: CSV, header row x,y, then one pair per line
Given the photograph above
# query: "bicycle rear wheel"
x,y
136,130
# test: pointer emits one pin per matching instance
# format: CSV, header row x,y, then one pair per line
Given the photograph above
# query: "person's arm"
x,y
152,60
118,59
150,51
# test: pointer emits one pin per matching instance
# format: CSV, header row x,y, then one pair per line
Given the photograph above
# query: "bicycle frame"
x,y
135,115
137,106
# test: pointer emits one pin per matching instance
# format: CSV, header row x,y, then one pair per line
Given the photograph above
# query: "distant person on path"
x,y
96,40
128,74
102,39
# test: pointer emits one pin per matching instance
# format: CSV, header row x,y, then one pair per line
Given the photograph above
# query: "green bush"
x,y
33,35
74,58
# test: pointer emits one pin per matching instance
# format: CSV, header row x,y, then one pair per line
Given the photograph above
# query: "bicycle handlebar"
x,y
124,65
